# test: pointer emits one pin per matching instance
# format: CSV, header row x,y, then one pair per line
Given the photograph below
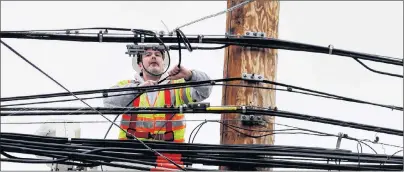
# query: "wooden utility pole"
x,y
257,16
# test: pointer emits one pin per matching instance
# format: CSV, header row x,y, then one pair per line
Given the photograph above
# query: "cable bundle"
x,y
95,152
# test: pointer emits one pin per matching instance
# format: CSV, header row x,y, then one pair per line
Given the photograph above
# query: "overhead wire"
x,y
229,40
376,71
209,110
193,83
216,121
362,65
216,14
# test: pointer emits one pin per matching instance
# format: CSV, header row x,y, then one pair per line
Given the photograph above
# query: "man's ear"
x,y
140,65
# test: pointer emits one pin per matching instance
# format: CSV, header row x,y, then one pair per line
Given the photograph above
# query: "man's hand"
x,y
148,83
183,73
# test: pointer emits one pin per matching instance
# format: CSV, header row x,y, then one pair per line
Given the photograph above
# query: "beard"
x,y
155,70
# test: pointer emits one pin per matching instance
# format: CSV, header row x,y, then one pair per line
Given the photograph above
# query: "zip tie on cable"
x,y
200,37
142,38
330,49
100,36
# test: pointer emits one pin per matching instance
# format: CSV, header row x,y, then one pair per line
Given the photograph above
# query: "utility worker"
x,y
149,67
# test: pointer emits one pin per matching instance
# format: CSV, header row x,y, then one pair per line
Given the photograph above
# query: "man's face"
x,y
153,61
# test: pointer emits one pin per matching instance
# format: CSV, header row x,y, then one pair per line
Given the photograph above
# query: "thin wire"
x,y
33,65
168,30
376,71
197,131
214,15
190,135
359,154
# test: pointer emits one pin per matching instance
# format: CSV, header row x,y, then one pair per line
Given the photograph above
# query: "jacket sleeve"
x,y
121,101
194,94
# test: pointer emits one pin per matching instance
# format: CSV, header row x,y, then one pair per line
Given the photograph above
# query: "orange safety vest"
x,y
147,133
165,127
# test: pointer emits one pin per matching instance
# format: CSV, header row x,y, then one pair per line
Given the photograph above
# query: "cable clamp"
x,y
252,77
340,136
161,33
100,36
199,105
200,37
251,34
243,109
142,38
250,120
330,47
133,49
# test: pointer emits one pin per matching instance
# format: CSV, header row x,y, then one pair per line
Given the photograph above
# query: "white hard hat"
x,y
135,65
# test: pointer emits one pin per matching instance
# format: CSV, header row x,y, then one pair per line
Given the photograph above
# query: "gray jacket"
x,y
198,94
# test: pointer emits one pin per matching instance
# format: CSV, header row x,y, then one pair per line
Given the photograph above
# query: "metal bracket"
x,y
142,38
340,136
252,119
252,77
200,37
200,105
251,34
161,33
100,36
134,49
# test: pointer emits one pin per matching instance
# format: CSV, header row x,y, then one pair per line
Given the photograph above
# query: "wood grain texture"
x,y
257,16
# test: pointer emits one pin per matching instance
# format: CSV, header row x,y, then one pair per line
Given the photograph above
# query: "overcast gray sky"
x,y
370,27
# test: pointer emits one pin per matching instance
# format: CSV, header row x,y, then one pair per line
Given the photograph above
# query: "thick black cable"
x,y
173,47
215,84
193,83
33,65
230,40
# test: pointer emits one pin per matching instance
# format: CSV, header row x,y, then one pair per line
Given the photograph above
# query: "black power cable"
x,y
229,40
218,109
198,83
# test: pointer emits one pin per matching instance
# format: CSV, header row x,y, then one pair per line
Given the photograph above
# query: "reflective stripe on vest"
x,y
145,128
